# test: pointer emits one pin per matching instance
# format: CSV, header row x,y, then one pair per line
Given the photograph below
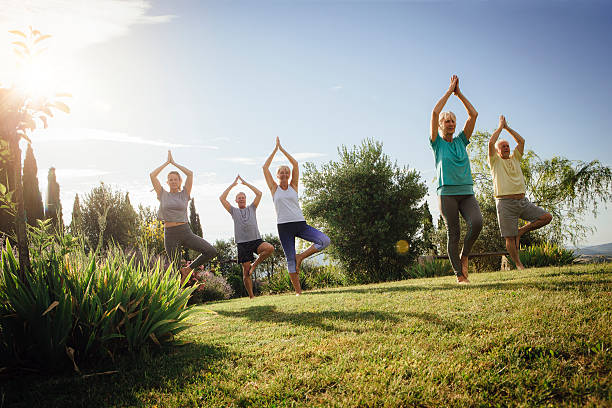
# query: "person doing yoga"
x,y
455,185
173,213
290,220
509,190
246,232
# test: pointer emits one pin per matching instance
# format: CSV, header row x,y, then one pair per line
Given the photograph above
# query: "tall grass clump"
x,y
546,254
437,267
74,307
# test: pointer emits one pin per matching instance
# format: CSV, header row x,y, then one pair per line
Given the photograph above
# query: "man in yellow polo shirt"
x,y
509,186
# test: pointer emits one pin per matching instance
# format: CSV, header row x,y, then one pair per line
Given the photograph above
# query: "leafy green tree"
x,y
31,193
20,114
53,209
367,205
428,231
109,217
568,189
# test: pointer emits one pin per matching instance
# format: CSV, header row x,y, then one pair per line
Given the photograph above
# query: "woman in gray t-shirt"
x,y
173,213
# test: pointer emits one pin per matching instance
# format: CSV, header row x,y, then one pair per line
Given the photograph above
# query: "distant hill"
x,y
604,249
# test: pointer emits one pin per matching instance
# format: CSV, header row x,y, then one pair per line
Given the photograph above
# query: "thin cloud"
x,y
86,134
73,173
279,158
336,88
242,160
78,24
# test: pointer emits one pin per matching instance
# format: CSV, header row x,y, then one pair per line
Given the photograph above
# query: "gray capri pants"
x,y
509,210
175,237
450,207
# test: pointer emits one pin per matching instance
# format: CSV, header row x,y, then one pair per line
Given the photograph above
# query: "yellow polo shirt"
x,y
507,175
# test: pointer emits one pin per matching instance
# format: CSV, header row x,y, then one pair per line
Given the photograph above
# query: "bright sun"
x,y
39,71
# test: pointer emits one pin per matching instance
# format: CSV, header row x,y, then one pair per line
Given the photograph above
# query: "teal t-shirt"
x,y
453,165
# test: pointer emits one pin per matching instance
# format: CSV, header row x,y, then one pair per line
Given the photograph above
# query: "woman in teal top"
x,y
455,185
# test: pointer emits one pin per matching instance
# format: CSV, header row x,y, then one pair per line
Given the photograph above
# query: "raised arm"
x,y
468,128
254,189
295,171
495,135
520,142
155,181
223,196
188,173
266,170
435,114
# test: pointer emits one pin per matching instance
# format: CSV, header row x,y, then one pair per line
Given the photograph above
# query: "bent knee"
x,y
323,243
267,248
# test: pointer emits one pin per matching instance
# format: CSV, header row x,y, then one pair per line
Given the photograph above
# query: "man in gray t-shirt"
x,y
246,232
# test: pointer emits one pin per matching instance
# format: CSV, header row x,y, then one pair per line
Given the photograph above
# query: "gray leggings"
x,y
450,207
175,237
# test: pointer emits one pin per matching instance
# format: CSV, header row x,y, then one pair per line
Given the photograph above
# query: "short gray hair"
x,y
499,141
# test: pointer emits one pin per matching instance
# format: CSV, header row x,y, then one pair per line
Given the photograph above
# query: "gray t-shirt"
x,y
245,223
173,206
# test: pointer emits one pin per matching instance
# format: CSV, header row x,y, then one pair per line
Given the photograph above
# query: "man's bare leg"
x,y
264,250
246,278
530,226
513,251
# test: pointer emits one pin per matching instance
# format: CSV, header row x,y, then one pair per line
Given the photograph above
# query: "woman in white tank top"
x,y
290,220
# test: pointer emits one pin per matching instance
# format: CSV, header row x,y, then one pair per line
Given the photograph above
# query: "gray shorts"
x,y
509,210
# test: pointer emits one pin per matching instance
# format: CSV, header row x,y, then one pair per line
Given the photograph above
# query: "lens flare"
x,y
402,246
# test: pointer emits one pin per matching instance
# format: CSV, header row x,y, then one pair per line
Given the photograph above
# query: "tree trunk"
x,y
20,218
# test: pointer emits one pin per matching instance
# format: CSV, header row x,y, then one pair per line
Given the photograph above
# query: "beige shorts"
x,y
509,210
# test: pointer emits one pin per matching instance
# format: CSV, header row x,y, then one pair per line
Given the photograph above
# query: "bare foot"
x,y
464,266
462,279
184,273
251,270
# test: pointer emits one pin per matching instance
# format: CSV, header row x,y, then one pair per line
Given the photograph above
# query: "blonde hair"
x,y
499,141
283,167
443,117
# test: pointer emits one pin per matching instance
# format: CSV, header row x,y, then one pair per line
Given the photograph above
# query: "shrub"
x,y
322,276
546,254
76,306
437,267
209,287
279,283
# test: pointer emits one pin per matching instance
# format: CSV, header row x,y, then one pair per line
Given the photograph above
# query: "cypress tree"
x,y
31,193
194,219
54,206
76,226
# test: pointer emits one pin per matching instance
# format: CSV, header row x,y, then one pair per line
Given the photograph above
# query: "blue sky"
x,y
216,81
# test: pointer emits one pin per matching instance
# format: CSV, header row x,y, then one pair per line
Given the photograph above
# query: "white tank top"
x,y
287,206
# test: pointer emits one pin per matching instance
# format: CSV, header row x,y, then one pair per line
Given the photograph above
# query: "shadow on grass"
x,y
162,372
506,284
324,319
269,313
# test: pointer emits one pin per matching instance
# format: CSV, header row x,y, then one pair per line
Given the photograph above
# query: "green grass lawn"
x,y
528,338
